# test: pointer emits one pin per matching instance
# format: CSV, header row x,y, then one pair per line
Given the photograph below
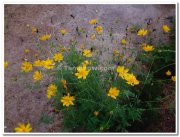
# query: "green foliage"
x,y
45,119
91,95
93,110
157,64
135,28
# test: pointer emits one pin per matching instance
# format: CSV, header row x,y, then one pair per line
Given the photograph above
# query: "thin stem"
x,y
163,67
148,73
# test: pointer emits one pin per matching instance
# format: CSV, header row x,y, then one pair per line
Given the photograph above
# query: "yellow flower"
x,y
26,51
96,113
173,78
63,32
122,71
99,29
37,76
123,42
93,37
45,37
116,52
142,32
51,91
6,65
147,48
58,57
113,92
87,53
26,66
86,63
82,72
64,83
38,63
93,21
131,79
67,100
34,30
48,64
23,128
166,28
168,73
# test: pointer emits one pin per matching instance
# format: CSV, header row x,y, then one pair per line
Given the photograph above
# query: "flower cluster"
x,y
130,78
87,93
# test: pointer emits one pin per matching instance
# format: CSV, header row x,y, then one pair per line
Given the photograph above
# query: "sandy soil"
x,y
25,104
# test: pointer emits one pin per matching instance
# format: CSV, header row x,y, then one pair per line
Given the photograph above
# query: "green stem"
x,y
148,73
163,67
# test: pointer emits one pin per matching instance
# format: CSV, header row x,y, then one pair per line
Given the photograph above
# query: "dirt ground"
x,y
24,104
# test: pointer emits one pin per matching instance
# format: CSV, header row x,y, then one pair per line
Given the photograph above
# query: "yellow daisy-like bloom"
x,y
51,91
34,30
142,32
122,71
93,21
37,76
86,63
26,67
116,52
67,100
63,32
26,51
45,37
38,63
173,78
93,37
99,29
113,92
6,65
123,42
48,64
96,113
147,48
168,73
82,72
166,28
64,83
58,57
87,53
131,79
23,128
